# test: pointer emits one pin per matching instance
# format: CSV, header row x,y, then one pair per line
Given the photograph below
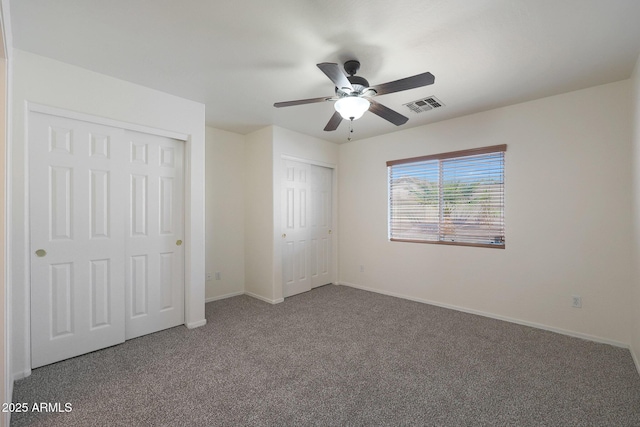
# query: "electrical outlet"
x,y
576,301
209,276
218,275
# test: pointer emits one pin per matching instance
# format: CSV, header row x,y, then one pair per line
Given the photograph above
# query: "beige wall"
x,y
258,214
635,296
568,216
225,187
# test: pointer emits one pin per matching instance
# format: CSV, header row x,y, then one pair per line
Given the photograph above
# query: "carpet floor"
x,y
339,356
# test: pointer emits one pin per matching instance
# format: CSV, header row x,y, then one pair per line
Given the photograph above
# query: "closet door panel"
x,y
77,235
154,251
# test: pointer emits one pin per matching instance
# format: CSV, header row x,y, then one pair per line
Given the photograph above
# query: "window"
x,y
452,198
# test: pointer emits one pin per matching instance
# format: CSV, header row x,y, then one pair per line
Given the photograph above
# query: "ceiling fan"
x,y
353,94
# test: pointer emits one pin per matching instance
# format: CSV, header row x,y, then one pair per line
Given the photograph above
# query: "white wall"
x,y
6,389
6,394
52,83
225,186
635,296
568,216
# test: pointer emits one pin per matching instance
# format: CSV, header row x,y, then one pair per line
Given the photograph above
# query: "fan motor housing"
x,y
359,84
358,81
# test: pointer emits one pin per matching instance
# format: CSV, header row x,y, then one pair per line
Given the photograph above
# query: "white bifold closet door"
x,y
321,224
306,213
105,219
154,253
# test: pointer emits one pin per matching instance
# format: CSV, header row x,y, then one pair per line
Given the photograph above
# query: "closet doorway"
x,y
106,220
307,218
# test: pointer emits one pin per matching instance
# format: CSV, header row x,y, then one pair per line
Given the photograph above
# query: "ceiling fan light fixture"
x,y
354,96
352,107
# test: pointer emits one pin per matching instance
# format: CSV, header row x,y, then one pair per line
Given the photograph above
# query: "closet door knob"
x,y
41,252
178,242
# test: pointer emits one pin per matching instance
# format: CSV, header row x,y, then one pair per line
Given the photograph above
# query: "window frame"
x,y
444,156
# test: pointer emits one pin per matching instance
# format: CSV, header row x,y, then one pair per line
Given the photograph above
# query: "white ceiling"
x,y
240,56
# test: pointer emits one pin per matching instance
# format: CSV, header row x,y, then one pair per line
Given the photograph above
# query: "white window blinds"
x,y
449,198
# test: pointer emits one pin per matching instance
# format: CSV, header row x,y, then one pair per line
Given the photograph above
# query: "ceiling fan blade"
x,y
387,113
337,76
334,121
302,101
412,82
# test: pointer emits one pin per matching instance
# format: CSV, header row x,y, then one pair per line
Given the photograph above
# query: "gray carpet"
x,y
341,356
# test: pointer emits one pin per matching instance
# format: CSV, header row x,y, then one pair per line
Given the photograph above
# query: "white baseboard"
x,y
261,298
250,294
197,324
7,415
233,294
21,375
498,317
635,359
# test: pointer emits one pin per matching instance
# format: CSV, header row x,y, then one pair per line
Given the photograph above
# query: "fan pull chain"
x,y
350,129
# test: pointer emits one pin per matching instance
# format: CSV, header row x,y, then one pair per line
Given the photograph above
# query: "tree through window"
x,y
449,198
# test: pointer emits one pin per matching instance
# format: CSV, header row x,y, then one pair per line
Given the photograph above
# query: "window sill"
x,y
441,242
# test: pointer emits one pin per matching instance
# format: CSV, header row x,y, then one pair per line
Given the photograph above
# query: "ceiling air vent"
x,y
425,104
